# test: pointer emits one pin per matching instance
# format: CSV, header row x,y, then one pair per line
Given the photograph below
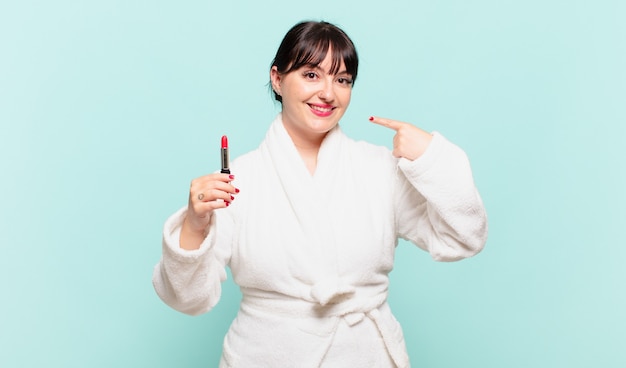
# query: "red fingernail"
x,y
371,118
231,176
236,190
227,203
232,198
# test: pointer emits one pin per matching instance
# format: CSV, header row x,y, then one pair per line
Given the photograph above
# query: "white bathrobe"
x,y
312,253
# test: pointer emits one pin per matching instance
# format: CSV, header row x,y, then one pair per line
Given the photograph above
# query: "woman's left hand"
x,y
409,142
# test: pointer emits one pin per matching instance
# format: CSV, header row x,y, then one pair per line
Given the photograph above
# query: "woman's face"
x,y
313,99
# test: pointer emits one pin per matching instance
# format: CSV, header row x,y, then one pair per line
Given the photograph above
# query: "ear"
x,y
275,77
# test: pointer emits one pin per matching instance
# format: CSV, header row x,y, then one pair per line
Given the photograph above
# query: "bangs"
x,y
314,54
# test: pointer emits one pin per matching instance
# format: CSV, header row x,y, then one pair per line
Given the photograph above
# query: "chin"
x,y
325,122
323,127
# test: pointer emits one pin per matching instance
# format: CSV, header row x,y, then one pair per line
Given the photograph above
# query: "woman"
x,y
310,229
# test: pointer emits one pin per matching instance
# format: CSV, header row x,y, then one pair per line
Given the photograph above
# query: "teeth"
x,y
322,109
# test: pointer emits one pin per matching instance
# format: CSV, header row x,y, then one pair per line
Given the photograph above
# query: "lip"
x,y
321,110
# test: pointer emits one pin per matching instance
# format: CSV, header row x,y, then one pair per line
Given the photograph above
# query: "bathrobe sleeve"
x,y
438,206
190,281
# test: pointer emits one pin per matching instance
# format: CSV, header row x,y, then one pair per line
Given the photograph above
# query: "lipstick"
x,y
225,168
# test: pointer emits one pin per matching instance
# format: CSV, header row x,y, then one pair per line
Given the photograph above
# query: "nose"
x,y
327,90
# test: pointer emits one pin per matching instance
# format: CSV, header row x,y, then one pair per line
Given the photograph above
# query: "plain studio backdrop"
x,y
108,109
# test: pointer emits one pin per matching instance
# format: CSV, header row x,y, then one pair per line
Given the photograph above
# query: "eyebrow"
x,y
341,72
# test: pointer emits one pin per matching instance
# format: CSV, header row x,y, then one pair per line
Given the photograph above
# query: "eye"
x,y
310,75
345,81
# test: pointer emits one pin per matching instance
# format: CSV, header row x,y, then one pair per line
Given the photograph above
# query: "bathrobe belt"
x,y
344,305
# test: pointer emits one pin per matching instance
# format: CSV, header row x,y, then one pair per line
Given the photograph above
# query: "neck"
x,y
308,146
308,152
305,142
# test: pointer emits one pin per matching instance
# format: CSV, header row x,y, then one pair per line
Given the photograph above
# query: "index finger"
x,y
391,124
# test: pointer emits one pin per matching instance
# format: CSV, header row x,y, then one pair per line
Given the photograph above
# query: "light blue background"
x,y
109,108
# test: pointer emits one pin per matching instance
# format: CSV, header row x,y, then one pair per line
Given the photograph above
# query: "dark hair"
x,y
307,43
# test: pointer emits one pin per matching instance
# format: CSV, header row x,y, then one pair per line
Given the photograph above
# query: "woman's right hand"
x,y
206,194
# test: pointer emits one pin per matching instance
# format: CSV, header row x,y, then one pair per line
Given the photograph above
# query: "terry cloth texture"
x,y
312,253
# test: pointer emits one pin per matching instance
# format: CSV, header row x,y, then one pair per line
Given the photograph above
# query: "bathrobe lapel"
x,y
309,197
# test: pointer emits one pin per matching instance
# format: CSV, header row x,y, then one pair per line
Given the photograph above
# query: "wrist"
x,y
192,235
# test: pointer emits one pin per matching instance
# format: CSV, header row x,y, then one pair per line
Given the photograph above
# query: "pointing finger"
x,y
391,124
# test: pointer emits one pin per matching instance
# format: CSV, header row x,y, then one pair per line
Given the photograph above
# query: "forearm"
x,y
189,280
442,211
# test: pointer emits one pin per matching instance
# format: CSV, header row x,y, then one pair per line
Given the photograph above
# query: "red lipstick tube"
x,y
225,168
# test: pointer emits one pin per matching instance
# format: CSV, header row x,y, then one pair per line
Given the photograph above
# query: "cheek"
x,y
295,91
347,96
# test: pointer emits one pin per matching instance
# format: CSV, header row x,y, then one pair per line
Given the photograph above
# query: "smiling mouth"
x,y
321,109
